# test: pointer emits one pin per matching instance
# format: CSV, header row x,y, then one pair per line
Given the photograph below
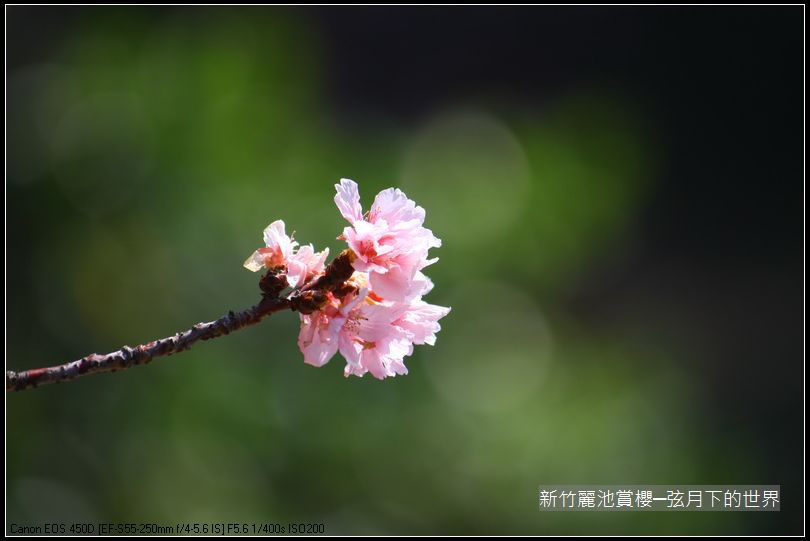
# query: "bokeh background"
x,y
620,195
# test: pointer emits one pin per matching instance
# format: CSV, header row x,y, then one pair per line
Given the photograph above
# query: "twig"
x,y
127,357
271,285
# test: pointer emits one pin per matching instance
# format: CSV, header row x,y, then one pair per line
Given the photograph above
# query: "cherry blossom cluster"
x,y
375,321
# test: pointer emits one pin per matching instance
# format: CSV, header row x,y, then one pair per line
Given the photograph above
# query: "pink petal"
x,y
347,200
350,348
296,272
397,284
315,341
395,208
421,321
276,239
372,362
354,370
304,264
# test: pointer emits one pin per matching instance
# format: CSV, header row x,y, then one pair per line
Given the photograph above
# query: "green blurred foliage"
x,y
144,160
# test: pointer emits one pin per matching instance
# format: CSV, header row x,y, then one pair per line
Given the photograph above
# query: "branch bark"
x,y
306,300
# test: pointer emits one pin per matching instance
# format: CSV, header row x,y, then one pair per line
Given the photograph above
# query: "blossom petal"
x,y
315,341
350,349
421,321
255,262
395,208
279,242
372,362
304,264
347,200
398,284
354,370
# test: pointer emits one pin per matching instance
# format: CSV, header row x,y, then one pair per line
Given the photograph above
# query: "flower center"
x,y
367,248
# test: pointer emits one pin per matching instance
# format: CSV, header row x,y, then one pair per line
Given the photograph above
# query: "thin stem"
x,y
127,357
305,300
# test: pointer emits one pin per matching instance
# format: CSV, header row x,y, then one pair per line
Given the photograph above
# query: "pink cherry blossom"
x,y
370,342
377,323
373,336
320,331
381,335
279,248
302,263
390,242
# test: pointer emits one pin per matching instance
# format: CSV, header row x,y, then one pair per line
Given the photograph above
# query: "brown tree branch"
x,y
306,300
127,357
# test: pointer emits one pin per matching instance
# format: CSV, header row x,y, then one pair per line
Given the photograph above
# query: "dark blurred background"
x,y
620,195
